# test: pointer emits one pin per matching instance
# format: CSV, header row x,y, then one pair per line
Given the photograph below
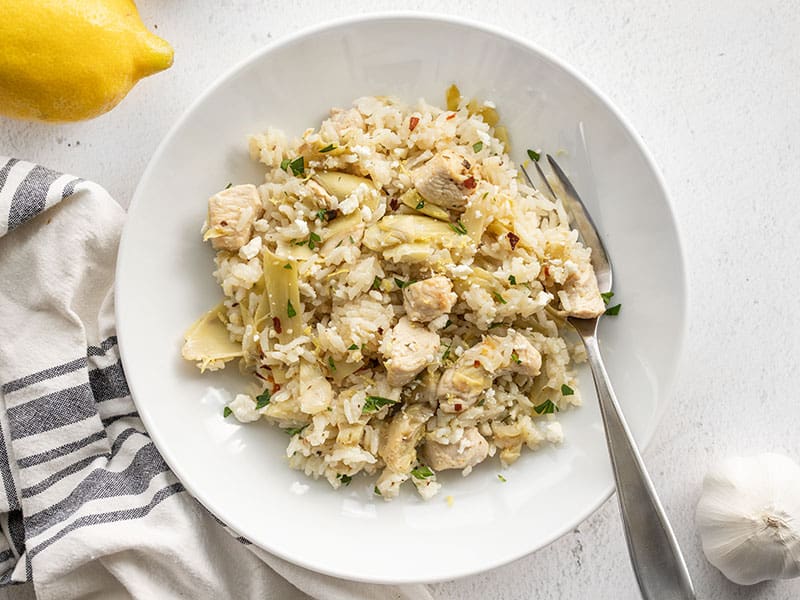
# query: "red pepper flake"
x,y
412,123
380,330
458,407
276,323
477,364
223,223
513,239
470,183
452,116
394,203
276,388
546,270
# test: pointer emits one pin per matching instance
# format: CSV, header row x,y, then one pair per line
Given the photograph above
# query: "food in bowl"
x,y
398,295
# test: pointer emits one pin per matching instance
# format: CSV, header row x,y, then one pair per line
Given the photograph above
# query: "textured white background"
x,y
714,90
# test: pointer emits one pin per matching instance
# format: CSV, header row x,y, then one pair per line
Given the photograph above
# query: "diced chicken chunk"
x,y
445,180
231,214
472,449
580,296
347,119
428,299
407,350
399,440
462,384
525,358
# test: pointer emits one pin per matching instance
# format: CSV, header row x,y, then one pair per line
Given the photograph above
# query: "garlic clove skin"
x,y
749,518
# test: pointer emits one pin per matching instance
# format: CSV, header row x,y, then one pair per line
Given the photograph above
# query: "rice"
x,y
320,272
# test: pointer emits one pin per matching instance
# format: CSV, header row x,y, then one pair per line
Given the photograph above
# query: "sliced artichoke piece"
x,y
207,340
341,185
412,199
284,295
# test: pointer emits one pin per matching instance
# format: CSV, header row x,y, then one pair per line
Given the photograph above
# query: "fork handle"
x,y
655,555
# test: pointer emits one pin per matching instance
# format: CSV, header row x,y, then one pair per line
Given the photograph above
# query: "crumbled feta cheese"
x,y
460,271
302,227
349,204
251,249
553,432
244,408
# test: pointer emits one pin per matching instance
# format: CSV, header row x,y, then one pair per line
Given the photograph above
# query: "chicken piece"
x,y
347,119
428,299
399,440
407,350
231,214
445,180
462,384
472,449
525,358
580,296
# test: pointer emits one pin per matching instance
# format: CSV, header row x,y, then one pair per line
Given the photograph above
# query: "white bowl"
x,y
164,282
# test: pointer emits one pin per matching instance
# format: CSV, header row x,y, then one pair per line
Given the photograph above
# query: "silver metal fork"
x,y
655,555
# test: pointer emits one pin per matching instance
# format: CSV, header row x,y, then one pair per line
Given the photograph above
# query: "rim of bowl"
x,y
494,30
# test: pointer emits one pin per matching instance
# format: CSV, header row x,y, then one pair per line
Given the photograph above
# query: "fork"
x,y
654,552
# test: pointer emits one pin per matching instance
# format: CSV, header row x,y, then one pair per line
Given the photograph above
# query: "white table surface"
x,y
713,89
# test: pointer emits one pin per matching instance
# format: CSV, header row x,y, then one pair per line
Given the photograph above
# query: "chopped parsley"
x,y
300,242
313,240
353,347
497,324
607,296
421,472
613,310
285,163
331,364
401,284
446,353
546,408
229,186
327,215
328,148
290,309
566,390
352,241
226,412
515,357
482,401
287,266
298,166
345,479
294,430
499,298
375,403
376,283
477,147
458,227
262,399
534,156
376,491
501,478
420,205
512,280
447,324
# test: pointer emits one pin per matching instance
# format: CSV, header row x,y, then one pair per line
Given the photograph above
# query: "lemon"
x,y
67,60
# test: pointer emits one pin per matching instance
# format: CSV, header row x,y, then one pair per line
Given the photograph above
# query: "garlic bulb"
x,y
749,518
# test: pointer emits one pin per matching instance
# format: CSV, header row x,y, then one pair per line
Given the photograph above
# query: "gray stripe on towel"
x,y
52,411
100,484
31,195
18,384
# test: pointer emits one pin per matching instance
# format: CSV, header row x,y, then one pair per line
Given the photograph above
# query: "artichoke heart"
x,y
394,230
207,341
341,185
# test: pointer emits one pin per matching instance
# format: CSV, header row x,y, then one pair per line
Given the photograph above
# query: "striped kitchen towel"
x,y
87,505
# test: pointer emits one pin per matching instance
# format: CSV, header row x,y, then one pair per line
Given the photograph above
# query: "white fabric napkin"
x,y
88,508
